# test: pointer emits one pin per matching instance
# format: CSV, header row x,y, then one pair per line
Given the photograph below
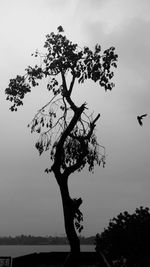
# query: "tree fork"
x,y
59,147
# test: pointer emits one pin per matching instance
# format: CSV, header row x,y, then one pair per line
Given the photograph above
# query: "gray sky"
x,y
29,199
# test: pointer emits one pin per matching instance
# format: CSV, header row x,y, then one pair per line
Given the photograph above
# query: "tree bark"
x,y
68,210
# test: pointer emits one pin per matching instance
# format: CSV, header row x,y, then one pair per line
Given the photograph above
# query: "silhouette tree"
x,y
65,129
127,238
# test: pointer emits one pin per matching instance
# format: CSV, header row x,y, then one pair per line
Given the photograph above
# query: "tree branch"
x,y
92,126
82,140
79,162
67,131
72,84
66,93
87,137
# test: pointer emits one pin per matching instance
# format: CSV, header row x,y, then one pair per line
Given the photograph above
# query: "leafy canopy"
x,y
60,120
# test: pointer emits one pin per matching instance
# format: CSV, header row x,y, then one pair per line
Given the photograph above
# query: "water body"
x,y
20,250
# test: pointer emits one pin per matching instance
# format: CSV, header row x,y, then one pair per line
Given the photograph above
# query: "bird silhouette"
x,y
140,118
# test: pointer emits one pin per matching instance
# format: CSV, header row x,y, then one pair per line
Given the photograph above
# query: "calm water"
x,y
16,251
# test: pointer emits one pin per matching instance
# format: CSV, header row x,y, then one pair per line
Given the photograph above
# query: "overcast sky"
x,y
29,199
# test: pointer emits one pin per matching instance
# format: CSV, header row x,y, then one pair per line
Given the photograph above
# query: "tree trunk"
x,y
68,210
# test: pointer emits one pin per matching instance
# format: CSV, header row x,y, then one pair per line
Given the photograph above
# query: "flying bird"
x,y
140,118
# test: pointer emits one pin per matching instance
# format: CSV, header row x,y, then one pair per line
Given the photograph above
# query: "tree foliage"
x,y
64,57
127,237
66,130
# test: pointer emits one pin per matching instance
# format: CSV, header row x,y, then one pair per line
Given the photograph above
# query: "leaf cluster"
x,y
16,91
84,64
34,74
62,56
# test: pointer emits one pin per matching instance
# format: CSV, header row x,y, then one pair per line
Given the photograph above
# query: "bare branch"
x,y
41,109
66,93
71,84
92,126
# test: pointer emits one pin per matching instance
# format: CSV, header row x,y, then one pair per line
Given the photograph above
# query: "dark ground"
x,y
55,259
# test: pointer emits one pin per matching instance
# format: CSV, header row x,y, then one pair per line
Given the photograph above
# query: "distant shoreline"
x,y
23,240
42,244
